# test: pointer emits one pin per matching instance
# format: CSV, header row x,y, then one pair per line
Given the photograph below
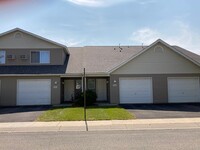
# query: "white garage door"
x,y
34,92
135,90
182,90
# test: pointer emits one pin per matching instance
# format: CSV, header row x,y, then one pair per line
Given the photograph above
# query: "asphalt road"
x,y
116,140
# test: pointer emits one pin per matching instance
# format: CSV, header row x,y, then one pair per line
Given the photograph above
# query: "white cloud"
x,y
145,35
182,36
103,3
70,42
91,3
145,2
66,25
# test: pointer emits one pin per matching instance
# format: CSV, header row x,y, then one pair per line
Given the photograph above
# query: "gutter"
x,y
87,75
60,75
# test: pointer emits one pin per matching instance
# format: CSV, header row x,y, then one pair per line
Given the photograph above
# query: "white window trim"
x,y
40,56
4,57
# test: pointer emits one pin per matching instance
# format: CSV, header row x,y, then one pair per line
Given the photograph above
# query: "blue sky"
x,y
107,22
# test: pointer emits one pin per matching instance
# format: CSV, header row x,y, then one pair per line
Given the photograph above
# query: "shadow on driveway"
x,y
152,111
21,114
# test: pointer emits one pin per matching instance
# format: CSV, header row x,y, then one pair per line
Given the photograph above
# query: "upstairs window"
x,y
2,57
40,57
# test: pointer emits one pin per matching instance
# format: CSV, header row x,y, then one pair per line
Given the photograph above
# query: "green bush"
x,y
91,98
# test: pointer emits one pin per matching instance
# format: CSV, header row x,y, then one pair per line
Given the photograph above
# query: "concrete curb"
x,y
138,124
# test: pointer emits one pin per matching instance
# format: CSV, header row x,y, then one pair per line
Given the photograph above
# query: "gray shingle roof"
x,y
98,59
75,63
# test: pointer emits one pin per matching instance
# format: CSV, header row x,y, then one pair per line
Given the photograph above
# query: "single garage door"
x,y
183,90
135,90
34,92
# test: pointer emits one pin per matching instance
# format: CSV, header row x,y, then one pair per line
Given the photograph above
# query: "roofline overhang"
x,y
61,75
24,75
87,74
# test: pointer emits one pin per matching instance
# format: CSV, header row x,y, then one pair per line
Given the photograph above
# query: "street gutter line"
x,y
107,130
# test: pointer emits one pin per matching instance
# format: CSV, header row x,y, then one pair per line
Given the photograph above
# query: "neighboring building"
x,y
37,71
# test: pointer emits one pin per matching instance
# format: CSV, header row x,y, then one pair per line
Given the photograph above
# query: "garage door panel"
x,y
183,90
34,92
136,90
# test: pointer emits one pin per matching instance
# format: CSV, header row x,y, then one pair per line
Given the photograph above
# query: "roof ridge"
x,y
118,46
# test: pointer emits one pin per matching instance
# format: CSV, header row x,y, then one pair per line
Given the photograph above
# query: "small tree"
x,y
91,98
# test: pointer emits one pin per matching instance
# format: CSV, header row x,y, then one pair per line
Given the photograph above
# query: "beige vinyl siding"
x,y
157,62
9,90
160,91
9,41
64,55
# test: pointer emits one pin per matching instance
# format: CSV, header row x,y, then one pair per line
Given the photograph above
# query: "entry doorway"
x,y
72,89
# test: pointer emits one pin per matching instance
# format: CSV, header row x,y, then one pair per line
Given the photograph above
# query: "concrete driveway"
x,y
151,111
21,114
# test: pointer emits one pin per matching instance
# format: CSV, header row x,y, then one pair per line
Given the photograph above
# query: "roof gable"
x,y
176,50
18,38
158,59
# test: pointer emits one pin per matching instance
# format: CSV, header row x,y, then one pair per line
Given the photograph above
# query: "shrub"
x,y
91,98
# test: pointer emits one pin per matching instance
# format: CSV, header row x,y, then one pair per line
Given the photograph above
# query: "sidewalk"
x,y
138,124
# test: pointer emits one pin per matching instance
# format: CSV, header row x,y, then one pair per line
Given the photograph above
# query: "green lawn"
x,y
93,113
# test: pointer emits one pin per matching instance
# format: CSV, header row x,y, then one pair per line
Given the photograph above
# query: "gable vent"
x,y
158,49
18,35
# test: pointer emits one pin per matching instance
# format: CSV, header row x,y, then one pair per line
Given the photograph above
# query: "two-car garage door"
x,y
33,92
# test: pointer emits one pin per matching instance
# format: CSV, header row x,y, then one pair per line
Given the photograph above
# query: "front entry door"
x,y
101,89
68,90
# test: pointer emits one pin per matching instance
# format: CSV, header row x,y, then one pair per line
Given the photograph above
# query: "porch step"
x,y
63,105
105,104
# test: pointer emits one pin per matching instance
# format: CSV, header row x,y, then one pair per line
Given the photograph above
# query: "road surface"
x,y
184,139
